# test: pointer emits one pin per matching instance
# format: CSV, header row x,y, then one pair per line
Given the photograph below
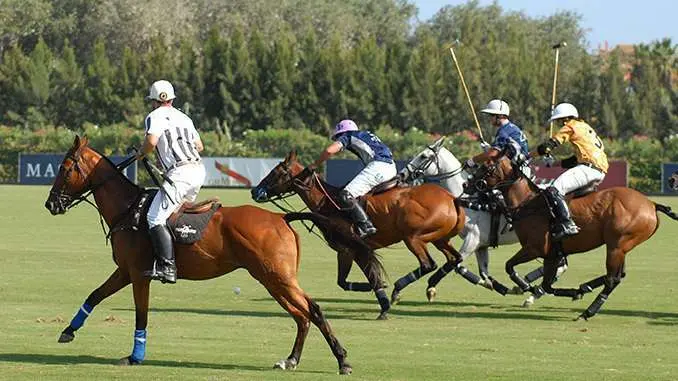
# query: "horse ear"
x,y
76,141
84,141
438,143
291,156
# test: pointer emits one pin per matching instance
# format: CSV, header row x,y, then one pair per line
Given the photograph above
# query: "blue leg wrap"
x,y
139,351
81,316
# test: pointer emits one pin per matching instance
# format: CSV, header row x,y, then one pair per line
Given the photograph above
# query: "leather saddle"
x,y
186,224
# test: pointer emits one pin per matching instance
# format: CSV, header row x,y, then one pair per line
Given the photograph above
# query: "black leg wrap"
x,y
534,274
468,275
592,284
567,292
595,306
384,303
358,286
407,279
500,288
434,279
520,281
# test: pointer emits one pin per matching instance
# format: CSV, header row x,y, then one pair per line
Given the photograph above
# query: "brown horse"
x,y
620,218
235,237
415,215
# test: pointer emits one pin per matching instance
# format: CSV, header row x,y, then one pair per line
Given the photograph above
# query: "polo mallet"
x,y
555,47
468,97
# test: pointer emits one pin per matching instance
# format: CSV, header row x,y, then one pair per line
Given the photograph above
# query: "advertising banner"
x,y
667,170
42,168
339,172
237,171
617,174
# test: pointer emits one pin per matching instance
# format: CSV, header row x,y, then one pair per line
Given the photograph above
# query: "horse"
x,y
437,164
415,215
619,218
260,241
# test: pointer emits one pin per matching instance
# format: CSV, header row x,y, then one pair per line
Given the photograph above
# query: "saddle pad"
x,y
188,227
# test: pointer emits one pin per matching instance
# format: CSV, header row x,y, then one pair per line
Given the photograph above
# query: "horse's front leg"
x,y
372,273
521,256
141,288
344,264
113,284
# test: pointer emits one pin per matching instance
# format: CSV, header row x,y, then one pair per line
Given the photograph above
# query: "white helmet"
x,y
497,107
564,110
161,91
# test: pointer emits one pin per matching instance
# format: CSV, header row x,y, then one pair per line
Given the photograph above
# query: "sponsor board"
x,y
42,168
237,171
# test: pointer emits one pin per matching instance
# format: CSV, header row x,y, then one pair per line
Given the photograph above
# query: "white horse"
x,y
436,163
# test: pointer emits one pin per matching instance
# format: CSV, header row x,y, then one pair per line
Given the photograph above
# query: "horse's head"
x,y
498,171
280,180
673,181
426,163
73,179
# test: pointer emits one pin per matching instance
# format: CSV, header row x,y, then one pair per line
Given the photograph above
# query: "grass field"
x,y
204,331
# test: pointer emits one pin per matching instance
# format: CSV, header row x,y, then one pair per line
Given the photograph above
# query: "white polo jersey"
x,y
176,136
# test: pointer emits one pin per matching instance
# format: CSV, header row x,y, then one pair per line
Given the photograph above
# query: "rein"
x,y
516,211
85,196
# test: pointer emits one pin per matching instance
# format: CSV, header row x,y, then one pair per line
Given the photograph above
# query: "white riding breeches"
x,y
188,180
577,177
374,173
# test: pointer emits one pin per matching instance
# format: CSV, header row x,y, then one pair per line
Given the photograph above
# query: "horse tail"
x,y
334,233
461,214
666,210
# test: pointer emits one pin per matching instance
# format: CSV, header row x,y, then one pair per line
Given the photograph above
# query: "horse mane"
x,y
114,167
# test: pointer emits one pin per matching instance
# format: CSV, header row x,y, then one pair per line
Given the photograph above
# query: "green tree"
x,y
100,95
67,90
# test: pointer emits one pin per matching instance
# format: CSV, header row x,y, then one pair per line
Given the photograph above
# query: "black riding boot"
x,y
165,270
564,226
360,218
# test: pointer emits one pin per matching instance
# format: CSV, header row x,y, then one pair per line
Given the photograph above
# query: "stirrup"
x,y
163,275
562,231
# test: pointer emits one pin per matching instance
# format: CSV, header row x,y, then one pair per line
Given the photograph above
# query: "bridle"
x,y
66,201
418,171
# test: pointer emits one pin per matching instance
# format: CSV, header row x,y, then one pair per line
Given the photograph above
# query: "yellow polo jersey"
x,y
587,145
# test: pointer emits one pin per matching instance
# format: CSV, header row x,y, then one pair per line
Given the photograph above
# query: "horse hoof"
x,y
395,297
66,337
528,302
431,294
346,369
516,291
581,317
486,284
286,364
128,361
382,316
578,296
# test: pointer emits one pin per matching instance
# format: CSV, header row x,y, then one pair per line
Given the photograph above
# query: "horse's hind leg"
x,y
303,308
454,259
426,265
615,273
372,273
302,320
113,284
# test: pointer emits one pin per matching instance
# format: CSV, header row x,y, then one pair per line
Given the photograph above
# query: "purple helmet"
x,y
344,126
